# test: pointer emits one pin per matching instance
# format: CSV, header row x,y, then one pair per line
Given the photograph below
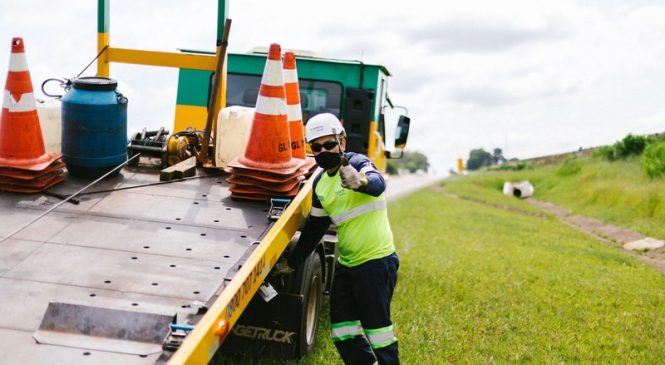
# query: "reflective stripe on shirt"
x,y
358,211
318,212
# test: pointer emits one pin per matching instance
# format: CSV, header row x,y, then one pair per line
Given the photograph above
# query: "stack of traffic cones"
x,y
268,168
294,112
25,166
293,109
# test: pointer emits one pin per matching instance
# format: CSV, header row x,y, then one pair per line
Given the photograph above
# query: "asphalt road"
x,y
397,186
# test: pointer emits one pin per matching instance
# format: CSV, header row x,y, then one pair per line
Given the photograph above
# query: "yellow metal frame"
x,y
103,68
206,338
164,59
189,116
202,62
376,148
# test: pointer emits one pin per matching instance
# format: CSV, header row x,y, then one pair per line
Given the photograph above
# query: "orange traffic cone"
x,y
29,175
35,185
268,148
243,181
293,109
29,189
268,176
21,141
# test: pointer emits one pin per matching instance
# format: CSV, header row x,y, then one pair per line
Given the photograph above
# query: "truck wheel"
x,y
310,285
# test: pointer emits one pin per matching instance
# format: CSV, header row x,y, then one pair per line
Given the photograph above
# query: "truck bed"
x,y
154,250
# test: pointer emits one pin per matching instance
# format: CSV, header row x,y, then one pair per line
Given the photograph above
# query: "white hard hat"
x,y
321,125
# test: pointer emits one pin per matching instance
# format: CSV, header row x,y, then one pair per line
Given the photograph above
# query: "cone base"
x,y
310,166
34,164
300,165
287,168
262,176
28,174
38,182
257,190
246,182
26,189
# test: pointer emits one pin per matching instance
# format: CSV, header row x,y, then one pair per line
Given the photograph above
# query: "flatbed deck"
x,y
160,249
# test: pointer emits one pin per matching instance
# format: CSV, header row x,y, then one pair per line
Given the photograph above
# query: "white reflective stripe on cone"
x,y
290,75
272,76
25,104
294,112
359,210
270,106
18,62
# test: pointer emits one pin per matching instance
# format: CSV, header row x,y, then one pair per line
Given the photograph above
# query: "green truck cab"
x,y
352,90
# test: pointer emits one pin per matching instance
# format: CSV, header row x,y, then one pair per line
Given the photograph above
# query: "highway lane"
x,y
400,185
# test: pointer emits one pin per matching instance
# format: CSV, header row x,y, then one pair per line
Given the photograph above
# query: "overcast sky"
x,y
531,77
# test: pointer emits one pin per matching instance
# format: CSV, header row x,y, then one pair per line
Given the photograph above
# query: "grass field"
x,y
484,285
613,192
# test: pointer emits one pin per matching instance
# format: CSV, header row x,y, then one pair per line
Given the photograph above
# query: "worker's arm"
x,y
316,226
375,184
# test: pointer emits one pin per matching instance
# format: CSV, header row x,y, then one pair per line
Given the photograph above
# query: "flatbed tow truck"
x,y
143,272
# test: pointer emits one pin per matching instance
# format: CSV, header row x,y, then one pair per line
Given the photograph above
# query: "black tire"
x,y
310,285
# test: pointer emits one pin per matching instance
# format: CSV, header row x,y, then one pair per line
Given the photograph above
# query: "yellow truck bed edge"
x,y
202,343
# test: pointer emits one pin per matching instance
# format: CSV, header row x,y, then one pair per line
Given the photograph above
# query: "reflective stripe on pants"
x,y
364,292
345,330
381,337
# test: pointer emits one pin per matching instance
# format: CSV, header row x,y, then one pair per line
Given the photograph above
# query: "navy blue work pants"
x,y
360,312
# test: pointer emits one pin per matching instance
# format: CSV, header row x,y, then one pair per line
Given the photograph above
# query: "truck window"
x,y
320,97
242,89
315,96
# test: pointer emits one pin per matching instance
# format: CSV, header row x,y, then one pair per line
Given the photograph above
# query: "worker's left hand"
x,y
351,178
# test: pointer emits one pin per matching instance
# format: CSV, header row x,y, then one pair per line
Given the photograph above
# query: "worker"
x,y
349,192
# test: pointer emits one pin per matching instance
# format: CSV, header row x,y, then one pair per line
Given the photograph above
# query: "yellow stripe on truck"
x,y
189,116
103,65
376,147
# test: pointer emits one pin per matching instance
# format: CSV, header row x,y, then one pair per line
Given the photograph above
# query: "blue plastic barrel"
x,y
94,127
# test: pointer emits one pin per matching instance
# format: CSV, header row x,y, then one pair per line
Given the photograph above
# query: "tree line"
x,y
410,161
479,158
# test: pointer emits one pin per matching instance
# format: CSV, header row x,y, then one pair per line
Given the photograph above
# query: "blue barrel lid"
x,y
94,83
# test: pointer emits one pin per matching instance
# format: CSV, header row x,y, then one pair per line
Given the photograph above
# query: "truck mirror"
x,y
394,155
402,131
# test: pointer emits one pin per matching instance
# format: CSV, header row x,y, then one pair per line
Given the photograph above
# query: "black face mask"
x,y
328,160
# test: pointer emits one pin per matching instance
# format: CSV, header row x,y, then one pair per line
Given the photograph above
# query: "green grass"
x,y
486,189
614,192
484,285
